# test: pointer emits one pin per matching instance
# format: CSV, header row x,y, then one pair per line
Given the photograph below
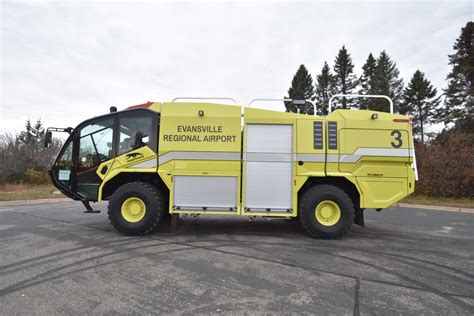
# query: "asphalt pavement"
x,y
54,259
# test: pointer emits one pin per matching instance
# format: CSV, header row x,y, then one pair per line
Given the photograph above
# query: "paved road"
x,y
56,260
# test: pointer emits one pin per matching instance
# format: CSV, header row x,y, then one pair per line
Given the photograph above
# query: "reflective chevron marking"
x,y
268,157
275,157
351,158
383,152
151,163
311,157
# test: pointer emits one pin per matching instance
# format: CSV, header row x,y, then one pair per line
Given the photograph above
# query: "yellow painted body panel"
x,y
382,179
127,162
332,168
219,128
311,169
305,145
382,192
352,139
204,129
394,167
191,134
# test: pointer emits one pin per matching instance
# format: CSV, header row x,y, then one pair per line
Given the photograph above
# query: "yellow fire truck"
x,y
155,161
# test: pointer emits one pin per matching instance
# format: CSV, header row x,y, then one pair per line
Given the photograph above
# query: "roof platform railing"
x,y
353,96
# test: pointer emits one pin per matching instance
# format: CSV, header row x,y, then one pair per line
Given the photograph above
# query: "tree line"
x,y
445,162
380,76
23,156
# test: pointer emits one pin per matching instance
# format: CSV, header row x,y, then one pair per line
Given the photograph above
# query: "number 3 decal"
x,y
398,139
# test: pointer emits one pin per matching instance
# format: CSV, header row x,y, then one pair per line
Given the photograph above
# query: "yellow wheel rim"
x,y
133,209
327,213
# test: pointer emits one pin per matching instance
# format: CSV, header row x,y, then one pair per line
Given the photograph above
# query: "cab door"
x,y
93,145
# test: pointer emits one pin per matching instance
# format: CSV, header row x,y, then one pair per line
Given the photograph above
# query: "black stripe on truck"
x,y
318,135
332,135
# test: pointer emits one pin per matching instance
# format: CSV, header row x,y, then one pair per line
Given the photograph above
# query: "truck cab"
x,y
98,145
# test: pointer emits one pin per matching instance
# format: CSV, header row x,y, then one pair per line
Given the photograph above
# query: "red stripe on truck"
x,y
144,105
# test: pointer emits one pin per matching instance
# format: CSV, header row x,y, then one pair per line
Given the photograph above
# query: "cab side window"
x,y
135,132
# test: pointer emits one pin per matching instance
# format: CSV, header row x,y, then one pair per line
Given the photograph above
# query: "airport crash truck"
x,y
157,160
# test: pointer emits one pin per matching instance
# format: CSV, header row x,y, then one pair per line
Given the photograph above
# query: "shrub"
x,y
446,166
34,176
14,177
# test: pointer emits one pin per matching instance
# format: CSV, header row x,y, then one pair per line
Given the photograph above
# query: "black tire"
x,y
154,208
311,199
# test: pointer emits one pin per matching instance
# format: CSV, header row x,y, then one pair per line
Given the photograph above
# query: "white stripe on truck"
x,y
349,158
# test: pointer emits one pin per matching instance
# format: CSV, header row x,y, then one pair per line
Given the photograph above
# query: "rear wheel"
x,y
136,208
326,212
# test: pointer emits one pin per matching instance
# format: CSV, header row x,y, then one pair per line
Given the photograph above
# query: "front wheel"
x,y
326,212
136,208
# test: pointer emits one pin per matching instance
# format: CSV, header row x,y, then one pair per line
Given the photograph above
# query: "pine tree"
x,y
458,105
31,138
366,82
387,82
324,89
38,134
344,76
419,98
26,136
301,88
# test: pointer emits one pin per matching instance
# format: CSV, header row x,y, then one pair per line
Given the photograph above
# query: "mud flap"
x,y
169,224
359,217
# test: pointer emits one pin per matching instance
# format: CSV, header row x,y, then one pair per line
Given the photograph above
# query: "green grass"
x,y
20,192
426,200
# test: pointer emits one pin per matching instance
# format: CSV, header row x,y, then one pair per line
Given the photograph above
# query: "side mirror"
x,y
48,137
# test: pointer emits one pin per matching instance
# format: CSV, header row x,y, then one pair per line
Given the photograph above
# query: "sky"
x,y
66,61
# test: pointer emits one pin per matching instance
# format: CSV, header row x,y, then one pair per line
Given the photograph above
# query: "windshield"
x,y
95,145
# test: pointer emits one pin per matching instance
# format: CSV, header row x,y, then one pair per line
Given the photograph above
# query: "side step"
x,y
89,208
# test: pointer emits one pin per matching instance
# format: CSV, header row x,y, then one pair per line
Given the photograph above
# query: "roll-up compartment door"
x,y
207,193
268,168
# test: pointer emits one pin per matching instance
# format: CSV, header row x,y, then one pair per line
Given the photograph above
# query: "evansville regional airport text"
x,y
199,138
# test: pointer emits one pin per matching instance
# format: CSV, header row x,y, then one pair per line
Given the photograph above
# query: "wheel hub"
x,y
133,209
327,213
